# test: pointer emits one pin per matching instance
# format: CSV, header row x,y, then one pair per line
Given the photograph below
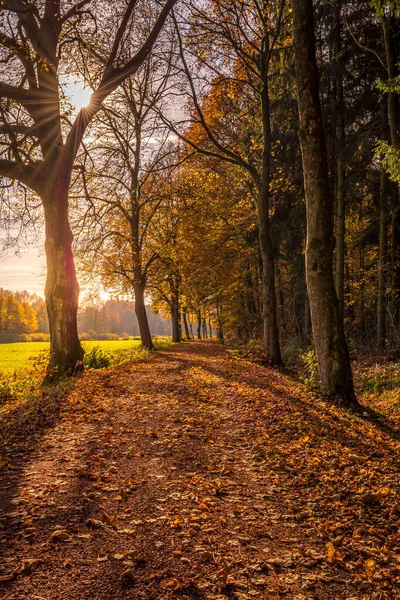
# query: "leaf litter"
x,y
193,475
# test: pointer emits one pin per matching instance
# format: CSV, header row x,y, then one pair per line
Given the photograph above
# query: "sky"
x,y
27,271
24,272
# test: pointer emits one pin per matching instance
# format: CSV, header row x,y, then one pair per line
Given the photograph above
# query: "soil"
x,y
197,474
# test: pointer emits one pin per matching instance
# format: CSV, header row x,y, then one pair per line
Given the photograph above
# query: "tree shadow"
x,y
23,425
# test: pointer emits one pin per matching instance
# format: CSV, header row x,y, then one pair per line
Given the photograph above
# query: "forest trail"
x,y
194,474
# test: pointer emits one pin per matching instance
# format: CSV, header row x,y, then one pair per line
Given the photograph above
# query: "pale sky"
x,y
25,272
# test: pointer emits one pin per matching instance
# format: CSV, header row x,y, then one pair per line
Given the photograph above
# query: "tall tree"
x,y
123,168
334,366
34,36
239,46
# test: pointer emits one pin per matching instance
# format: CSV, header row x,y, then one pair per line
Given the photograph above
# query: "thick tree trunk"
x,y
62,290
140,310
272,352
332,353
340,187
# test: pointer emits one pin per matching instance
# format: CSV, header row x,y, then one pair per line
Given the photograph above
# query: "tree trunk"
x,y
190,326
395,265
185,323
272,352
391,61
176,316
307,320
332,353
382,265
220,332
176,326
62,289
341,165
199,324
140,310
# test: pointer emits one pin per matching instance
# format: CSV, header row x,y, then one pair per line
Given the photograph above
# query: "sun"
x,y
77,92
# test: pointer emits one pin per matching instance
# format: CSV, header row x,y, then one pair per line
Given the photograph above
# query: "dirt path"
x,y
197,475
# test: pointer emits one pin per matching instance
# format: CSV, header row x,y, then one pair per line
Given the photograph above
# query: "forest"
x,y
235,165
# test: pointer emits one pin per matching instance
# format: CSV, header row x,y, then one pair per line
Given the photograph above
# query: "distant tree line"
x,y
21,314
23,317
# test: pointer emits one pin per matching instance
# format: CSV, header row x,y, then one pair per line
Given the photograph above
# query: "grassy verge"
x,y
14,357
25,380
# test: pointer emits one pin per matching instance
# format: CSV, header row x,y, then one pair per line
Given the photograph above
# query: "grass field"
x,y
17,356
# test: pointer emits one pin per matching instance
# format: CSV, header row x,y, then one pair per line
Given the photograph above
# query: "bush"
x,y
293,350
107,336
309,361
97,359
37,337
379,378
94,335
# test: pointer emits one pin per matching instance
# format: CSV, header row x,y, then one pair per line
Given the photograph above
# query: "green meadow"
x,y
14,357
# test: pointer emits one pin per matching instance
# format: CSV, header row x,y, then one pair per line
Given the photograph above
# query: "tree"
x,y
37,151
128,153
332,353
238,46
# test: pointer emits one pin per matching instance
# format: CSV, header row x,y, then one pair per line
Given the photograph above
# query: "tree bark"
x,y
185,324
190,326
332,352
176,326
392,106
272,352
382,264
140,310
176,315
220,331
199,324
340,162
62,289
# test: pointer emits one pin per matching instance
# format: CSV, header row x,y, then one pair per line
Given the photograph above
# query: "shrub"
x,y
107,336
37,337
309,361
379,378
97,359
292,350
94,335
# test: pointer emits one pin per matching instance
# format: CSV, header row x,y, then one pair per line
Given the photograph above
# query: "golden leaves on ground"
x,y
196,475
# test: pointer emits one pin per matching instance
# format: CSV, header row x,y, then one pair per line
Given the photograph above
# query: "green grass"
x,y
14,357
